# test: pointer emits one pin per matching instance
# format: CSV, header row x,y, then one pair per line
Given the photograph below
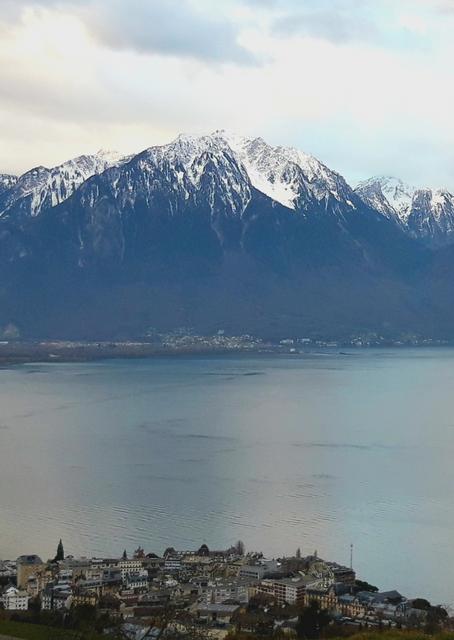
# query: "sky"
x,y
367,86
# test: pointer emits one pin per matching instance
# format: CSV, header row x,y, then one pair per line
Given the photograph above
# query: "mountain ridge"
x,y
216,231
424,213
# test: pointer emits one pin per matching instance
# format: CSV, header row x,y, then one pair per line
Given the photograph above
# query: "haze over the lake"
x,y
283,452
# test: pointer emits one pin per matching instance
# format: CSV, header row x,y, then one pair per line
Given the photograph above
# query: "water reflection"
x,y
316,452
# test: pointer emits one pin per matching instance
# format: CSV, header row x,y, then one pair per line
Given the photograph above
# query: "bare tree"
x,y
240,548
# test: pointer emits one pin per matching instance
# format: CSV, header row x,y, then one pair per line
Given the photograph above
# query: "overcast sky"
x,y
365,85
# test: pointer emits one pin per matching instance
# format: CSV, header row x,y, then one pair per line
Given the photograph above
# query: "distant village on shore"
x,y
184,341
220,592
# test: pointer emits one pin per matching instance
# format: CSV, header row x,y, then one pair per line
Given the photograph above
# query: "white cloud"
x,y
364,105
174,27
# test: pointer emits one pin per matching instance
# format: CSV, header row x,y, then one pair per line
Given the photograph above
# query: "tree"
x,y
435,618
421,603
298,553
361,585
312,621
60,552
125,555
240,548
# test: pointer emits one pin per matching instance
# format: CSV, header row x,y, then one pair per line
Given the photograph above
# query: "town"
x,y
186,341
217,592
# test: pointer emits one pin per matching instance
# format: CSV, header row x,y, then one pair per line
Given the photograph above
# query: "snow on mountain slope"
x,y
390,196
216,173
42,188
191,169
431,216
7,181
426,214
291,177
233,164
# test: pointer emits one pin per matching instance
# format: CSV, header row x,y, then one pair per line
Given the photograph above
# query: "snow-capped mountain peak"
x,y
43,187
432,216
185,149
199,172
423,213
217,174
390,196
7,181
292,177
109,157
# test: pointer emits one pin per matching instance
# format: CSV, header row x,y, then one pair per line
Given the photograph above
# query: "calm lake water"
x,y
314,452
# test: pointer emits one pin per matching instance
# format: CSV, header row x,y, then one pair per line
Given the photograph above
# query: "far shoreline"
x,y
63,352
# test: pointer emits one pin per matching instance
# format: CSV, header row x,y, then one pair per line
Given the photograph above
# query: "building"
x,y
129,565
346,575
172,563
8,569
326,598
252,571
137,580
38,580
220,613
27,566
77,566
221,589
82,598
56,597
13,599
350,606
286,590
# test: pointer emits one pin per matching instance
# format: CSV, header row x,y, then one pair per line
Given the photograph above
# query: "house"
x,y
221,613
137,580
55,597
375,598
351,606
13,599
326,598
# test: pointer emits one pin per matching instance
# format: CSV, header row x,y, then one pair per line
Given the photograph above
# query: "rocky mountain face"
x,y
6,182
431,217
424,214
289,176
42,188
214,232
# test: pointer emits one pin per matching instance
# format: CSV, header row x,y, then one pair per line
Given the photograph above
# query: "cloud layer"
x,y
367,85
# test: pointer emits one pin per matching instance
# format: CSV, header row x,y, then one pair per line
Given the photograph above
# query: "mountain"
x,y
42,188
214,231
202,193
291,177
389,195
431,216
7,181
424,214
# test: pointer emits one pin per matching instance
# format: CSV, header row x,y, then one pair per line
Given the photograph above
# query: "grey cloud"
x,y
445,6
336,25
173,28
342,21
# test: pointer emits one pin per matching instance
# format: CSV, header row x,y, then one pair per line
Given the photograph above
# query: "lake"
x,y
315,451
